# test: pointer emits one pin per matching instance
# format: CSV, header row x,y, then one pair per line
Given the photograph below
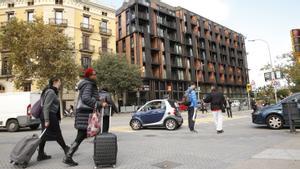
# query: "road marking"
x,y
200,120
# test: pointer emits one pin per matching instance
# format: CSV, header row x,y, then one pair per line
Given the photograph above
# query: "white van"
x,y
15,110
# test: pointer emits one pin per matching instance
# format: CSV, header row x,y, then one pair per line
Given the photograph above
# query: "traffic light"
x,y
248,88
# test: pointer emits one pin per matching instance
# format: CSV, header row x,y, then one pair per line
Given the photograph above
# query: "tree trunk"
x,y
124,98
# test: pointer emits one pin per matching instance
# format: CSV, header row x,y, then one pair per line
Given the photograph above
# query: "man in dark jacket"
x,y
228,107
217,104
105,96
87,100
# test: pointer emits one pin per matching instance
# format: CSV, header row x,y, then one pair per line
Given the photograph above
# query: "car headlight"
x,y
256,112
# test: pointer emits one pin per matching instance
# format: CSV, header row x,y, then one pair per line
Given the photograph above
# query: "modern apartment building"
x,y
175,46
295,36
90,25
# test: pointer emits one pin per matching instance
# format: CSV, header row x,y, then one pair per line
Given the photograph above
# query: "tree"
x,y
116,74
290,69
37,52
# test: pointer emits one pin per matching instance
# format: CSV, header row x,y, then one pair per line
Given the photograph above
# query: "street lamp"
x,y
271,62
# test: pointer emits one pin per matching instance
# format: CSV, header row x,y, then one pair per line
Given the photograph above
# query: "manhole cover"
x,y
150,135
167,164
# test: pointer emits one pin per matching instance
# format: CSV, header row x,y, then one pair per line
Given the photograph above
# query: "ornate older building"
x,y
90,25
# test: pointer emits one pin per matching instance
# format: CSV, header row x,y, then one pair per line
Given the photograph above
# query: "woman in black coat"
x,y
50,118
87,100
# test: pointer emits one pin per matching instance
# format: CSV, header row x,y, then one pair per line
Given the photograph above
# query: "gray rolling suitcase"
x,y
105,147
24,149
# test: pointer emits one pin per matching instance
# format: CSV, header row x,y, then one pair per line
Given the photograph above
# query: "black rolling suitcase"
x,y
105,147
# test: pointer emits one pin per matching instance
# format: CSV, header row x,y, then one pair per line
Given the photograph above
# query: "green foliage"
x,y
282,93
38,51
290,69
114,73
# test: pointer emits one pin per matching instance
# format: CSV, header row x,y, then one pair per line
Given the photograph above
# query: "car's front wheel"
x,y
275,121
171,124
12,125
135,124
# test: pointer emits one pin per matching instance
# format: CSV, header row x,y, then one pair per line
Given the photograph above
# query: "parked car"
x,y
157,113
235,103
272,115
15,110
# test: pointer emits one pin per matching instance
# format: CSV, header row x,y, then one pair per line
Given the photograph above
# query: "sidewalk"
x,y
285,155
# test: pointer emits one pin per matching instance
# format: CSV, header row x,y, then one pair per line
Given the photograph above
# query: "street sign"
x,y
268,76
278,75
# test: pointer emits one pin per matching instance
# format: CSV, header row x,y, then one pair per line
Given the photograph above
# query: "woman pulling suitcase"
x,y
50,118
87,99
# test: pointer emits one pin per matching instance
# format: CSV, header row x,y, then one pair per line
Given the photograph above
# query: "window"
x,y
5,68
27,86
85,41
143,42
124,45
164,73
103,24
30,16
154,105
11,5
127,17
104,13
10,15
86,8
60,2
58,16
191,52
188,63
127,29
163,59
144,56
30,2
104,43
119,21
86,61
120,33
86,21
180,75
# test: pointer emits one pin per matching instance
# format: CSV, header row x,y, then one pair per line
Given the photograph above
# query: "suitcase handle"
x,y
42,133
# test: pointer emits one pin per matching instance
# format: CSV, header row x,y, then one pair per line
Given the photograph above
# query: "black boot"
x,y
66,149
43,156
68,158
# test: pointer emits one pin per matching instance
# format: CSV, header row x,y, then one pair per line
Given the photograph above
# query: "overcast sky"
x,y
270,20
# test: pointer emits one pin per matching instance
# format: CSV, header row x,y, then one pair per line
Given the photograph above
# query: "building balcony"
x,y
87,27
194,21
230,70
221,69
86,48
105,31
103,50
58,22
143,16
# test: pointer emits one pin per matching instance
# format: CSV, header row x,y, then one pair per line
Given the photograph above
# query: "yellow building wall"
x,y
73,12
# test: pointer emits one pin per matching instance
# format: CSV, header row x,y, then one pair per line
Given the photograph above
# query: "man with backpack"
x,y
191,102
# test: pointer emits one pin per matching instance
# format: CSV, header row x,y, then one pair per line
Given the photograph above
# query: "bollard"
x,y
291,114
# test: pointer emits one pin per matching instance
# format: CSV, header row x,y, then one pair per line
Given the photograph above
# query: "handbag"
x,y
93,123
